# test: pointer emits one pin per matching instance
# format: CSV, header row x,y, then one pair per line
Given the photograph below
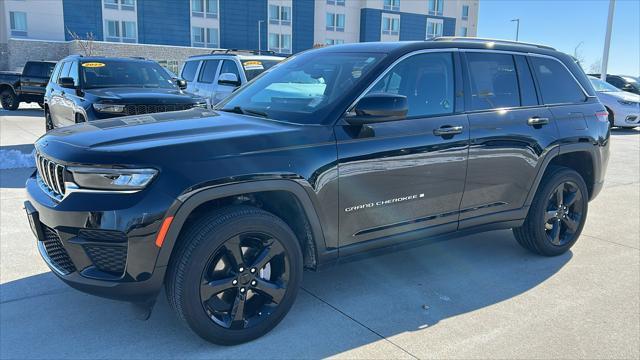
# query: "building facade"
x,y
282,26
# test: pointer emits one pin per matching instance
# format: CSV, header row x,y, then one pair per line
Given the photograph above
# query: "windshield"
x,y
300,89
103,74
601,86
631,79
253,68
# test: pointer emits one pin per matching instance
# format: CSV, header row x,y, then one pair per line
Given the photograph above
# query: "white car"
x,y
623,107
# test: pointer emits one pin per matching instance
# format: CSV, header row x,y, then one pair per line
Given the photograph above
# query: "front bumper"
x,y
102,244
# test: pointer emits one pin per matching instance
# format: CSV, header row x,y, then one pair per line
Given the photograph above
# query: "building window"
x,y
124,4
280,43
435,7
211,9
464,31
204,37
336,2
393,5
390,25
18,20
465,12
197,8
279,15
434,28
333,41
112,30
129,31
335,22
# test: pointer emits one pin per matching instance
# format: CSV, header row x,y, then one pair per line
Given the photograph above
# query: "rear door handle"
x,y
537,121
448,130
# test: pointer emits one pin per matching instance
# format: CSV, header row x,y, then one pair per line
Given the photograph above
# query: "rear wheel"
x,y
557,214
235,274
9,100
611,117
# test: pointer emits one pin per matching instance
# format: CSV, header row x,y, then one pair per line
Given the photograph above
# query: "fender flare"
x,y
563,149
181,210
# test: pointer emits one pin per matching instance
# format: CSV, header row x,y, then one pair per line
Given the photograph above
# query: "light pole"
x,y
260,36
517,27
607,41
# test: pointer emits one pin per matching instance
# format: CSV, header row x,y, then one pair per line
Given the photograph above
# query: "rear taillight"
x,y
602,116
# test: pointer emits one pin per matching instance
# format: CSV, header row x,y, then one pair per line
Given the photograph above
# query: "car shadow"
x,y
346,307
22,112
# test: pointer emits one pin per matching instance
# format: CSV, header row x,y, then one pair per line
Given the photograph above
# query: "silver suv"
x,y
216,75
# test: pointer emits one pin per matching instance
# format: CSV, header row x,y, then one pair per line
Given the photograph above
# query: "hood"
x,y
620,95
127,95
183,135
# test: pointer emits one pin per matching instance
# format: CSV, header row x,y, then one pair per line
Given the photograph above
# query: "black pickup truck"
x,y
26,87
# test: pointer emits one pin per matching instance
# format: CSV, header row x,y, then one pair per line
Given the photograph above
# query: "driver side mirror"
x,y
182,84
378,107
67,82
228,79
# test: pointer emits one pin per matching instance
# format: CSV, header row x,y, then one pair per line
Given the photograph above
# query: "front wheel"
x,y
234,274
557,214
9,100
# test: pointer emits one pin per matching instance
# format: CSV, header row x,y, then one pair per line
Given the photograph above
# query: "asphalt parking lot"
x,y
480,296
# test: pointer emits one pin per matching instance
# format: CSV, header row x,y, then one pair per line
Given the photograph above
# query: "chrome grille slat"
x,y
51,175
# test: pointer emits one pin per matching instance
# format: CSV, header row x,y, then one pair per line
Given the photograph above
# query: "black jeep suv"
x,y
89,88
334,152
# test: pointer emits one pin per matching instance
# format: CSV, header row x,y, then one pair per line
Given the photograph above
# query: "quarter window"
x,y
427,80
493,80
189,70
557,85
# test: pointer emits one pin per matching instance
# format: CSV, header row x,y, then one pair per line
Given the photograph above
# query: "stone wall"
x,y
20,51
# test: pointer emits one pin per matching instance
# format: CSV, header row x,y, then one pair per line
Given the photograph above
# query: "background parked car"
x,y
88,88
27,86
623,107
218,74
623,82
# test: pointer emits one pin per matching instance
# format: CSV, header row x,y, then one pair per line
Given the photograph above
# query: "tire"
x,y
611,117
48,122
41,104
205,256
551,214
9,100
80,119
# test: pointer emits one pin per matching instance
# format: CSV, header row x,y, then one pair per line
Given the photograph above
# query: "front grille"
x,y
138,109
102,235
56,252
51,175
111,259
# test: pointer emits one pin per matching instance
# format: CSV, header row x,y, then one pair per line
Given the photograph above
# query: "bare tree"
x,y
577,54
596,67
85,44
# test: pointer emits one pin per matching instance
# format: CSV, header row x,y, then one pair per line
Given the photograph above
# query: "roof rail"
x,y
238,51
138,57
484,40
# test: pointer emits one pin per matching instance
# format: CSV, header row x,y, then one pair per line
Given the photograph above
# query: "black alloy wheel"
x,y
8,100
244,280
234,273
564,213
557,213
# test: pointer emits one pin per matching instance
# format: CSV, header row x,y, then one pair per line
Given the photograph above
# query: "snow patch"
x,y
14,159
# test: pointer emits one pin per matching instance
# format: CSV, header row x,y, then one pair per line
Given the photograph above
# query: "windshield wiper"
x,y
240,110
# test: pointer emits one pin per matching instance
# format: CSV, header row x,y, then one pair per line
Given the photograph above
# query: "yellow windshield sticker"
x,y
252,65
93,64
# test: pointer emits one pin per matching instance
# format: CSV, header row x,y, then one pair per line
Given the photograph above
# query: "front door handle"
x,y
448,130
537,121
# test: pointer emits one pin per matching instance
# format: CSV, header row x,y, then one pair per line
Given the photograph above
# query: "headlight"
x,y
109,108
111,179
628,102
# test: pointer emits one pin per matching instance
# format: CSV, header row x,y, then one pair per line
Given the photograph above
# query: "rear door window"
x,y
493,80
427,80
557,85
528,96
208,72
189,70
